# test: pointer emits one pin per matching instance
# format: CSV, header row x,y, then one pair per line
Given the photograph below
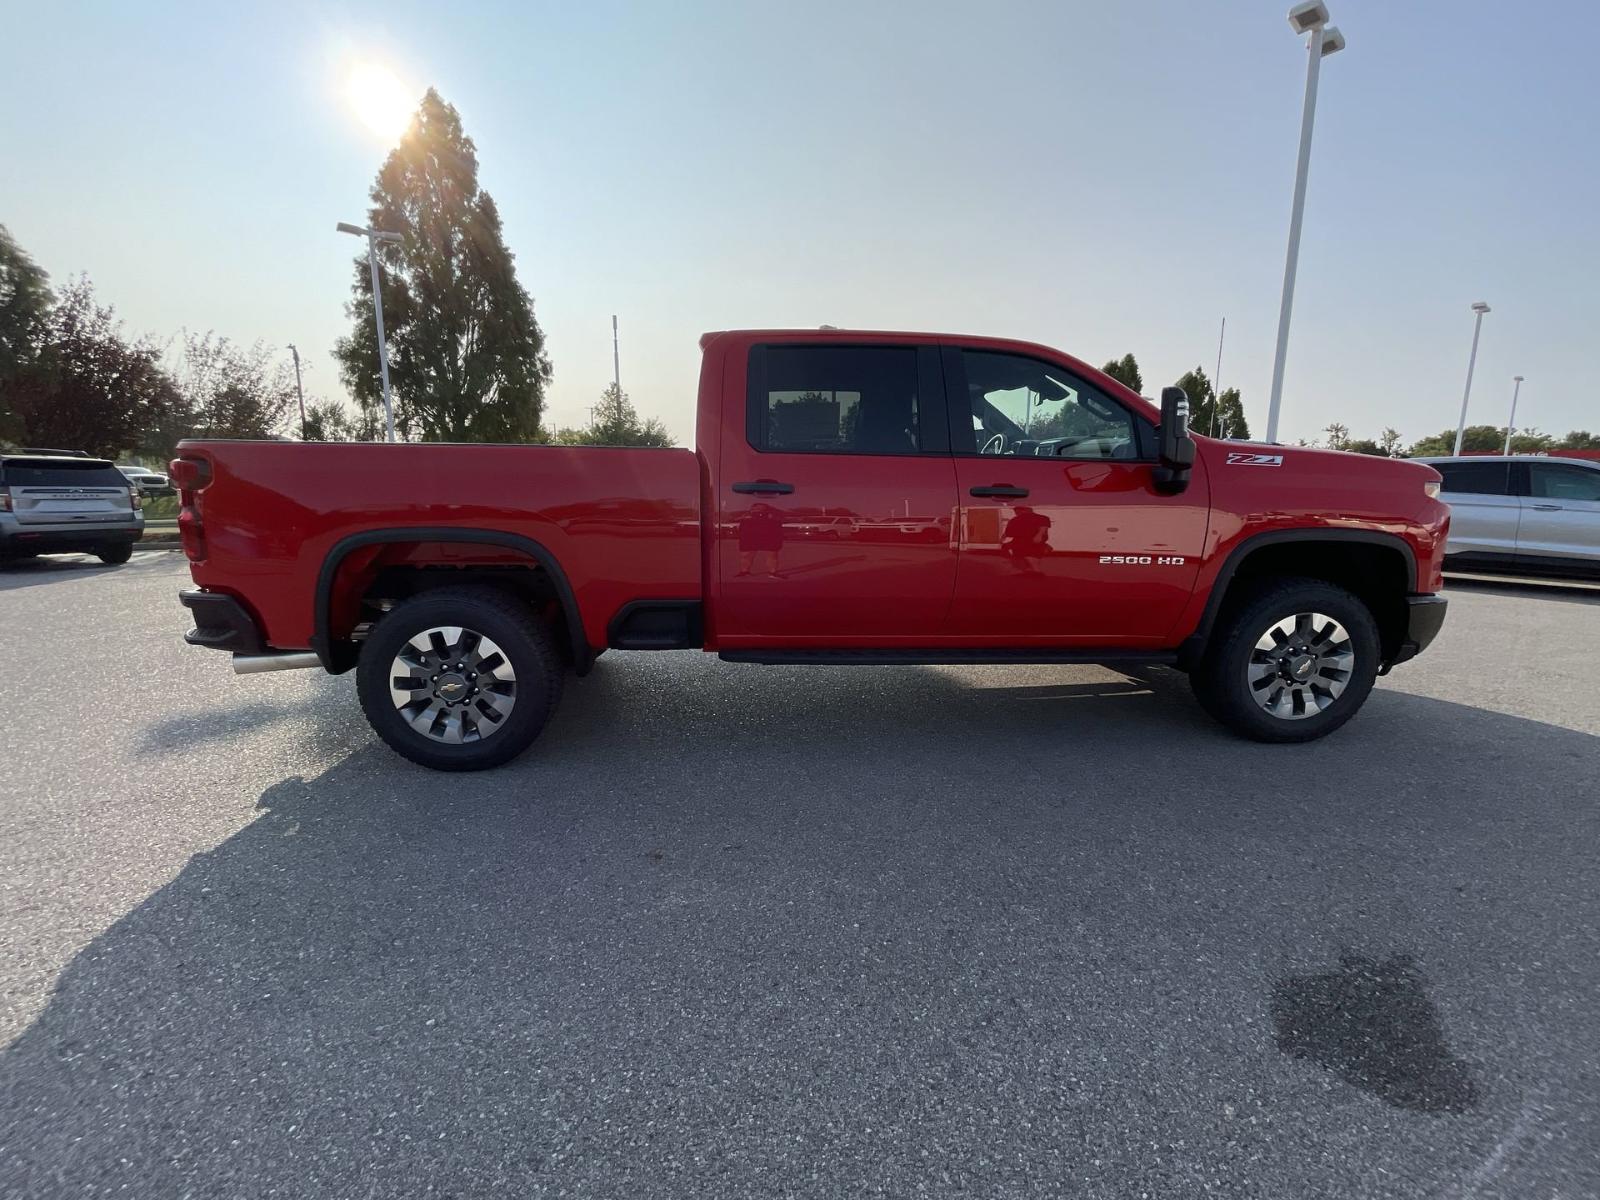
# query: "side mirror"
x,y
1176,450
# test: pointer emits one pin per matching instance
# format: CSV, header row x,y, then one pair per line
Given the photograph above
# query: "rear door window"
x,y
21,473
1475,479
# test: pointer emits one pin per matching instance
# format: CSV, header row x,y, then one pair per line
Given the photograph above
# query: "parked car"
x,y
1072,521
60,503
1522,514
149,483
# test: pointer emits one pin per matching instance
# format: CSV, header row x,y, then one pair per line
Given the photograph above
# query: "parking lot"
x,y
753,931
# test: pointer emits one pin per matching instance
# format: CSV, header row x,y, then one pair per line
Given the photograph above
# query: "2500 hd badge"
x,y
1142,560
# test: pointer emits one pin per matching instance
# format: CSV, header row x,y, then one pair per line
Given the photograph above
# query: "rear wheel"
x,y
114,552
1292,663
459,679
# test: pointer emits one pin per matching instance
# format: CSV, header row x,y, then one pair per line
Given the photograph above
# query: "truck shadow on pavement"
x,y
726,930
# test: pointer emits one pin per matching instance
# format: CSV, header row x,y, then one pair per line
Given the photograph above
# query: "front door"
x,y
1560,515
836,498
1063,535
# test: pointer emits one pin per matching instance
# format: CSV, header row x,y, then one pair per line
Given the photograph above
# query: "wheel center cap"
x,y
1300,666
451,687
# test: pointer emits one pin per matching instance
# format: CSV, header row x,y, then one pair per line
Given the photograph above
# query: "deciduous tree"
x,y
88,386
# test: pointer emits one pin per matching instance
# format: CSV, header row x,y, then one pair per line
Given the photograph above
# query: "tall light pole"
x,y
616,356
1512,419
1216,380
1461,426
374,236
298,390
1310,17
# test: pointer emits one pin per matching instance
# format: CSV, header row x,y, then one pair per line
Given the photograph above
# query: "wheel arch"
x,y
338,655
1380,568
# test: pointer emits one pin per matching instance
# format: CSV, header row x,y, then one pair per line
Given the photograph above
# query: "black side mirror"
x,y
1176,450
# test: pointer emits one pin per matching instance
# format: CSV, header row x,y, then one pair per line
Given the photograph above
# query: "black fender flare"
x,y
1194,645
339,655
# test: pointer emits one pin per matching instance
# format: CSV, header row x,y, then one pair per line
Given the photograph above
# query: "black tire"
x,y
1222,678
114,552
522,638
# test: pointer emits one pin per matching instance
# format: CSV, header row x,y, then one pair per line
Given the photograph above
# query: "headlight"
x,y
1431,489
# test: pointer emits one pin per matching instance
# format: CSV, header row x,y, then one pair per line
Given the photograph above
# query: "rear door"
x,y
1560,514
836,497
1484,509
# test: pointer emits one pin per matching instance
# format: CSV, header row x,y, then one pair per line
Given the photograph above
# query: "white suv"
x,y
1522,513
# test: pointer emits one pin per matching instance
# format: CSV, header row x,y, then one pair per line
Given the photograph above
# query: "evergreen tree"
x,y
615,423
466,356
1210,414
1125,370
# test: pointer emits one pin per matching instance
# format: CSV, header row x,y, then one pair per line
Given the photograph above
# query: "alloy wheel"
x,y
453,684
1300,666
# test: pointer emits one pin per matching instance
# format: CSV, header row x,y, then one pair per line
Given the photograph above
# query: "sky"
x,y
1098,177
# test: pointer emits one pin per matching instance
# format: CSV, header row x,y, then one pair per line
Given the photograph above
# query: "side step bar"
x,y
282,660
954,657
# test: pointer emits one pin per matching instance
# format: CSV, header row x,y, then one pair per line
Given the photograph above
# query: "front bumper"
x,y
221,623
1424,616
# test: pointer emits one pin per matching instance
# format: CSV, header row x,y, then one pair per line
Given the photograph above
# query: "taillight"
x,y
190,475
5,499
135,499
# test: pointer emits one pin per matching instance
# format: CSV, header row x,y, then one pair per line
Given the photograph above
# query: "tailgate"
x,y
70,505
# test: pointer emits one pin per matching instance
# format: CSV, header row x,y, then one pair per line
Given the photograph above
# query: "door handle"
x,y
764,487
999,489
1547,508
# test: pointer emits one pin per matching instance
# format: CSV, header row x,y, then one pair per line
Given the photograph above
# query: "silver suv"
x,y
53,504
1522,513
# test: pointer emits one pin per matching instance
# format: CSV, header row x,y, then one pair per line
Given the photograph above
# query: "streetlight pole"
x,y
616,356
1512,419
1310,17
298,390
1216,380
374,236
1461,426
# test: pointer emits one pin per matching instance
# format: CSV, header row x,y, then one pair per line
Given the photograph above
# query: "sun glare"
x,y
380,100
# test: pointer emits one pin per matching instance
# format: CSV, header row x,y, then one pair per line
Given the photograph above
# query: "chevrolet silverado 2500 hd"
x,y
852,498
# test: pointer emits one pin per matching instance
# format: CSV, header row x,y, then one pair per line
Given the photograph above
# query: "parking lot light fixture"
x,y
1472,360
1310,18
1511,421
374,236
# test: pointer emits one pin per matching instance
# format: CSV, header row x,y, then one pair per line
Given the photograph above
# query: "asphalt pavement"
x,y
741,931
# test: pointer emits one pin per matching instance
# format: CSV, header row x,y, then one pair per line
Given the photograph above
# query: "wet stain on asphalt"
x,y
1371,1023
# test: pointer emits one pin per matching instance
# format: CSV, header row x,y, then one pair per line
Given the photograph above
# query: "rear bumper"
x,y
1424,617
24,539
221,623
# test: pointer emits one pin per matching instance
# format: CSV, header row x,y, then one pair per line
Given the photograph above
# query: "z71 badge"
x,y
1238,458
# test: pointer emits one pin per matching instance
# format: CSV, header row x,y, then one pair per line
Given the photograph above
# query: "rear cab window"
x,y
845,399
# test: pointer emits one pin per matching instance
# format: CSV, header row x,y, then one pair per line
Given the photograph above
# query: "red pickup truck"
x,y
869,498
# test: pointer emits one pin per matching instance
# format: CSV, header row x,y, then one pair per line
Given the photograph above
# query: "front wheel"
x,y
1292,663
460,678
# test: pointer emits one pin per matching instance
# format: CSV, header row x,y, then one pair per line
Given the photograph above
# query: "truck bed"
x,y
624,524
